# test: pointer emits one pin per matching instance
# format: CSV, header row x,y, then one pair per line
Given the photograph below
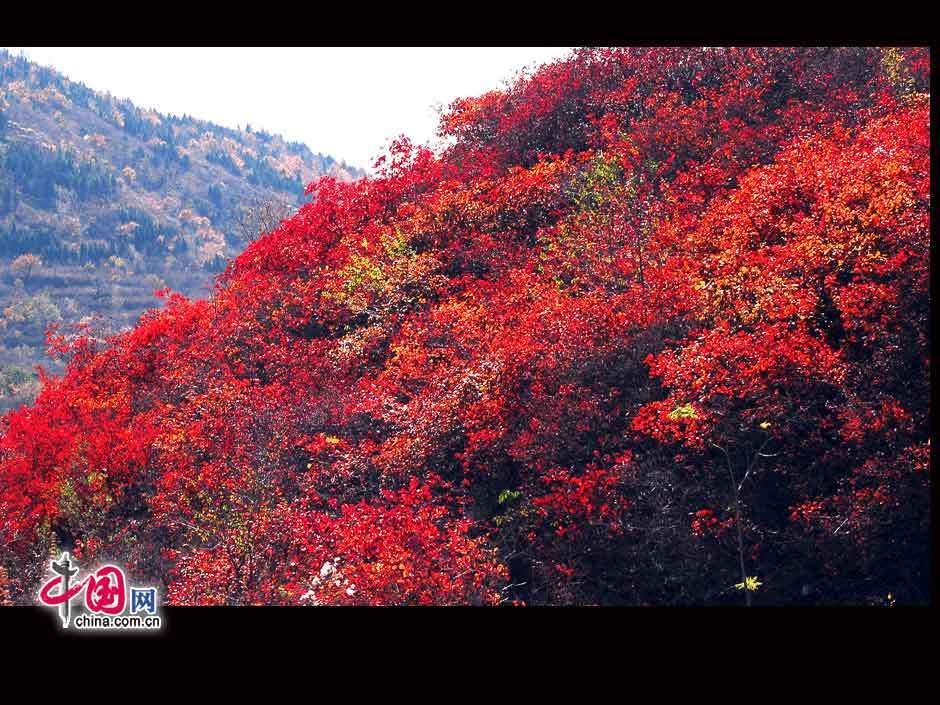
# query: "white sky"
x,y
345,102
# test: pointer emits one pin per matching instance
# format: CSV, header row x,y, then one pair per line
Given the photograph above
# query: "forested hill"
x,y
101,202
652,329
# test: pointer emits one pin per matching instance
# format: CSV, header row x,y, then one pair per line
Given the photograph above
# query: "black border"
x,y
818,638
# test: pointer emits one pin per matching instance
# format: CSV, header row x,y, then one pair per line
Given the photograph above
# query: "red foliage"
x,y
517,371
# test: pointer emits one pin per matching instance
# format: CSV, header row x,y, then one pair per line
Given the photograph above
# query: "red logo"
x,y
105,589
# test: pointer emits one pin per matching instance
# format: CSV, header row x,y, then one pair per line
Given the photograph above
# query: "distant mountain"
x,y
102,202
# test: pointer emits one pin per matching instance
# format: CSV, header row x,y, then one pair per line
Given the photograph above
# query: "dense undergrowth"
x,y
652,329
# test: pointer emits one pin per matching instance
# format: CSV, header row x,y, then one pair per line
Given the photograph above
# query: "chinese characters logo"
x,y
106,598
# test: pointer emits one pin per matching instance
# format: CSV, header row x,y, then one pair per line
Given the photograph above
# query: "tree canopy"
x,y
651,329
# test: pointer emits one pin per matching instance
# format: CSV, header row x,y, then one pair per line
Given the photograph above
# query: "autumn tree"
x,y
25,265
651,328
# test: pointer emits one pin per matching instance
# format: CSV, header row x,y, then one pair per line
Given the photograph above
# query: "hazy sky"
x,y
345,102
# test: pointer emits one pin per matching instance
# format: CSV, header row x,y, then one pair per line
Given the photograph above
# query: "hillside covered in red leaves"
x,y
652,329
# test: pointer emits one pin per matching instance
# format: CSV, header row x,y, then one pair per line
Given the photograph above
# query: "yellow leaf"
x,y
751,583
